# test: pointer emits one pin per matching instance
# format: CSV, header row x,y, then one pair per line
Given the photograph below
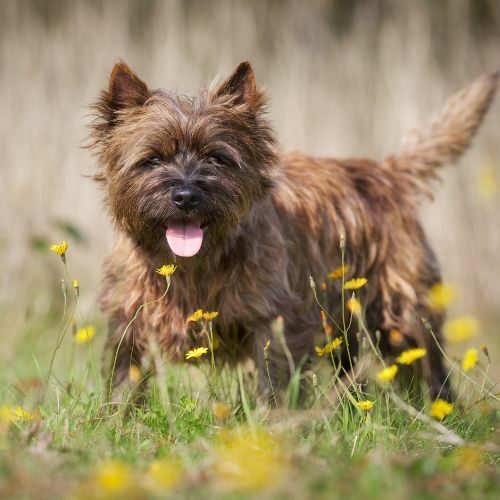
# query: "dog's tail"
x,y
445,137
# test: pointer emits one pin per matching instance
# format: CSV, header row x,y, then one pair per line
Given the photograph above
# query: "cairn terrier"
x,y
200,182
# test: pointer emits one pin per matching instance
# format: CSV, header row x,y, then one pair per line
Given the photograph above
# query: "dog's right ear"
x,y
126,89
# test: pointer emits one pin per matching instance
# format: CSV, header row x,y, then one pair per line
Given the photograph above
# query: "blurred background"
x,y
346,78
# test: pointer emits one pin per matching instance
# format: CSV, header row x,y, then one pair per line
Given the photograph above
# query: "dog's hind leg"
x,y
435,373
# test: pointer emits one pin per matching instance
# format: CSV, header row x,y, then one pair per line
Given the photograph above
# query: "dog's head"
x,y
180,172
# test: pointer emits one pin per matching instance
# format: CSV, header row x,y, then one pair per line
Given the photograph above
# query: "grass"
x,y
202,432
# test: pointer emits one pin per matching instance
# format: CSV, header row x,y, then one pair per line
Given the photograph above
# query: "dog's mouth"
x,y
185,236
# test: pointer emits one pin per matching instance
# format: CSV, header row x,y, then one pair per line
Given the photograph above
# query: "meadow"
x,y
346,78
202,431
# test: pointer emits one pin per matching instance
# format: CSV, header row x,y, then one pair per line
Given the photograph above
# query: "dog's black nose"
x,y
185,198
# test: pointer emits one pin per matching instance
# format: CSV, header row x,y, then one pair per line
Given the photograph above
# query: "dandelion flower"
x,y
338,273
6,413
166,270
84,334
441,295
134,374
76,284
461,329
469,360
355,283
209,316
19,414
354,305
387,374
411,355
221,411
323,286
22,415
163,475
468,459
196,316
248,461
330,347
365,405
113,477
395,336
60,249
198,352
440,408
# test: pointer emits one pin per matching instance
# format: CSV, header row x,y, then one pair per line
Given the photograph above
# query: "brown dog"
x,y
200,182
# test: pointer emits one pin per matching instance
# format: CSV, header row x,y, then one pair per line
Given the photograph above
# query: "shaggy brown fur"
x,y
271,220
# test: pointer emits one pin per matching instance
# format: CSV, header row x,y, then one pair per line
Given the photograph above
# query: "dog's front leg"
x,y
281,358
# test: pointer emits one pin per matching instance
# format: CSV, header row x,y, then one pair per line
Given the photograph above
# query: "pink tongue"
x,y
184,239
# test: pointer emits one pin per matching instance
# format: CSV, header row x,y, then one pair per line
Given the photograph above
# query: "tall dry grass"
x,y
346,78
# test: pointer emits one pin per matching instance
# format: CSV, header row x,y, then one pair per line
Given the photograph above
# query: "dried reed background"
x,y
346,78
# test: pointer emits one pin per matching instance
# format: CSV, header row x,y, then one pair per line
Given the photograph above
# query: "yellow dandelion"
x,y
209,316
60,249
22,415
113,477
442,295
76,284
338,273
134,374
461,329
196,316
468,459
354,305
487,183
163,475
221,411
355,283
6,414
166,270
440,408
387,374
323,286
84,334
365,405
198,352
330,347
469,360
246,461
411,355
395,336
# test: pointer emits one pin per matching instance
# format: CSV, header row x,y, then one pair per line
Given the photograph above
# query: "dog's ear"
x,y
126,88
240,86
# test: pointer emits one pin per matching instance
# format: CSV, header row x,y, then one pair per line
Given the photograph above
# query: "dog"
x,y
201,182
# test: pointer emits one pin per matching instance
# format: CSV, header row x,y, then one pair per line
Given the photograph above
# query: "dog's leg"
x,y
288,355
435,373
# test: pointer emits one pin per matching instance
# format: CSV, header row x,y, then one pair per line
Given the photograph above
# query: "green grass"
x,y
180,445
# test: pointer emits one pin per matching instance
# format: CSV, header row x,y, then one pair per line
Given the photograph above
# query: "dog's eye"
x,y
216,160
152,161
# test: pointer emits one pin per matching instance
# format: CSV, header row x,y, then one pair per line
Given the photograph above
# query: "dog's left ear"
x,y
241,86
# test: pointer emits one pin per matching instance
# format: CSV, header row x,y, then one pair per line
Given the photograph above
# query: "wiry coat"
x,y
273,220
